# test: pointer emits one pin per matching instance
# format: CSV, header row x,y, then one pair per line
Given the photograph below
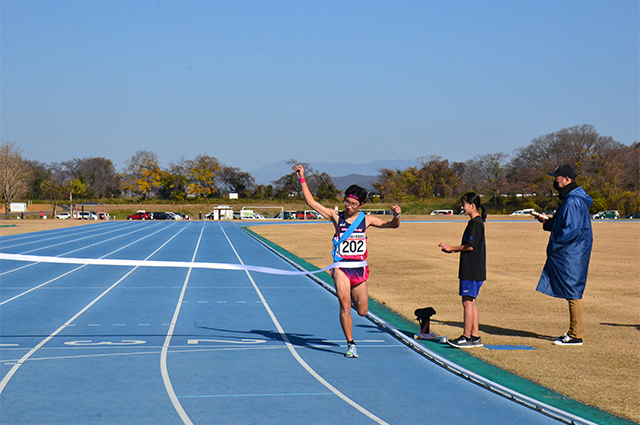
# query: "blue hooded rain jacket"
x,y
569,249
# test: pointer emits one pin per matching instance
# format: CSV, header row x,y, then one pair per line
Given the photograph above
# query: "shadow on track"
x,y
299,340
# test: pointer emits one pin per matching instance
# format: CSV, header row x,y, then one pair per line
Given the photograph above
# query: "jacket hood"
x,y
582,194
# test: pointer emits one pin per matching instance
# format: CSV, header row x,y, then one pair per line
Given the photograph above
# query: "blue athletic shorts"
x,y
470,288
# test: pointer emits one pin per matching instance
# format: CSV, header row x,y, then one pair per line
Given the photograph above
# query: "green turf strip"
x,y
466,360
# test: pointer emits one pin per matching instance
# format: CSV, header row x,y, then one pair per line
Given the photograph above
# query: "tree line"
x,y
608,170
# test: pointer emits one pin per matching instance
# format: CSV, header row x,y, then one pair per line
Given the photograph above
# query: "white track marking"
x,y
78,268
61,243
165,347
293,351
31,352
69,252
39,237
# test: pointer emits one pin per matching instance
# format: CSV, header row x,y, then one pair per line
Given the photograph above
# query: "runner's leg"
x,y
360,296
343,289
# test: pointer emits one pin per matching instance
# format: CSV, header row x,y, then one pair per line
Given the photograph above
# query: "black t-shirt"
x,y
473,264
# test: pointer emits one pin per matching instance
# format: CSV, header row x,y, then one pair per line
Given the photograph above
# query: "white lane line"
x,y
292,349
78,249
84,265
31,352
165,347
39,238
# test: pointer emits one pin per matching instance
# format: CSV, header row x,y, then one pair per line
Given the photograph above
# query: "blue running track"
x,y
95,344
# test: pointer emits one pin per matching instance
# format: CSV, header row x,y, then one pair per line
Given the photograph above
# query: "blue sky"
x,y
257,82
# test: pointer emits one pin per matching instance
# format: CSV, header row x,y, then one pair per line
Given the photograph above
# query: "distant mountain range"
x,y
343,174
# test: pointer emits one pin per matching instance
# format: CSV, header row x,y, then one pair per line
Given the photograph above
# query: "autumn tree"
x,y
203,176
436,178
13,175
142,174
175,181
596,159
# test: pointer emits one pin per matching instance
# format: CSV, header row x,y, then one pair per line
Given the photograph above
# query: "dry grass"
x,y
408,271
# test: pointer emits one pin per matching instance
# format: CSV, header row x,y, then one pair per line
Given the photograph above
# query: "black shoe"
x,y
476,341
461,342
567,340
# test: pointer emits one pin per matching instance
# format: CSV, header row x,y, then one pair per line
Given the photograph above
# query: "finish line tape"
x,y
175,264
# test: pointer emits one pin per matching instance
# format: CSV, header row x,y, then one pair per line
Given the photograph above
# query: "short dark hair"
x,y
355,191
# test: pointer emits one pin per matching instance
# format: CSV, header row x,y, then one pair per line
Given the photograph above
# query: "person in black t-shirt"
x,y
473,269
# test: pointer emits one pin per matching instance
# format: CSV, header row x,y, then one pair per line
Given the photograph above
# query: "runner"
x,y
350,245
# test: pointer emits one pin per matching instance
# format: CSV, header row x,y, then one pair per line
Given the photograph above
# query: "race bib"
x,y
354,245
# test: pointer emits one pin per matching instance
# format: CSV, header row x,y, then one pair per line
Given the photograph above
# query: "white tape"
x,y
175,264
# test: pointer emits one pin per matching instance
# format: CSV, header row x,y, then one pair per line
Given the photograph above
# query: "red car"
x,y
140,215
310,215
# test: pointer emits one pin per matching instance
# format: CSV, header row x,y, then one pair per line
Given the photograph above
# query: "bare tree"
x,y
237,181
13,175
486,174
98,174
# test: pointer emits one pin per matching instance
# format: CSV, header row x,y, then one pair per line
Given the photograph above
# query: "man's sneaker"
x,y
352,352
557,338
476,341
461,342
567,340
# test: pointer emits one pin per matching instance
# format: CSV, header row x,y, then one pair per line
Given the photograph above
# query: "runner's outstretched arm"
x,y
328,213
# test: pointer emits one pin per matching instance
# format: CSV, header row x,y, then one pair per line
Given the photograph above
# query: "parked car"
x,y
104,216
63,216
525,211
310,215
634,216
140,215
87,215
162,216
610,214
442,212
285,215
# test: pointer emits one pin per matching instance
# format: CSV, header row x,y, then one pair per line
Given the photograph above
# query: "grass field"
x,y
409,271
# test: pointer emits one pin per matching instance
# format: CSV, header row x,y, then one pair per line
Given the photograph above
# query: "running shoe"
x,y
567,340
461,342
476,341
352,352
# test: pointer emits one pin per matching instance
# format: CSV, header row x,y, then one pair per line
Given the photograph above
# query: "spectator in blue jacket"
x,y
569,251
